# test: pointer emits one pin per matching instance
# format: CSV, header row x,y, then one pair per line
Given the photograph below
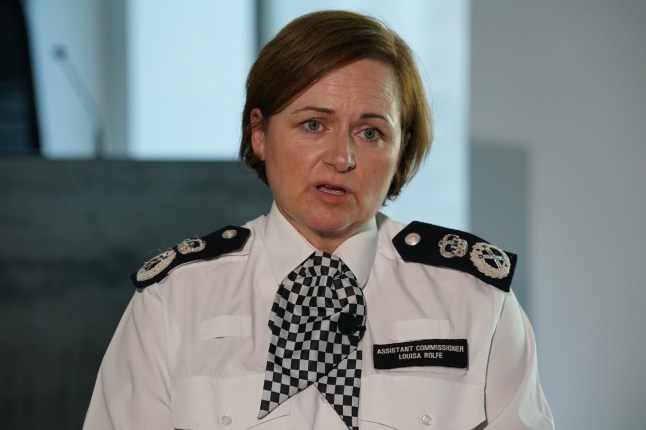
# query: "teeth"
x,y
332,190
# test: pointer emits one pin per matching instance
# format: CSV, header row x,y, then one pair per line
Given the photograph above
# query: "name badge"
x,y
429,352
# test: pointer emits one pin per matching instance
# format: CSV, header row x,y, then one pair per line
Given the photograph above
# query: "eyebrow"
x,y
315,109
375,115
331,111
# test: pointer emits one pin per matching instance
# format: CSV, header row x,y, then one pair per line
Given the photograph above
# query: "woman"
x,y
325,313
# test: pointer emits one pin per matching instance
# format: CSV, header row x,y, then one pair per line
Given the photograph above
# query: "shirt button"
x,y
412,239
426,420
226,419
229,234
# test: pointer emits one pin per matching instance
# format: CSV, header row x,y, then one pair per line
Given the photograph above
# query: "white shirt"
x,y
190,351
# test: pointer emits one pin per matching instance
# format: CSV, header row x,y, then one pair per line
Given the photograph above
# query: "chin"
x,y
330,226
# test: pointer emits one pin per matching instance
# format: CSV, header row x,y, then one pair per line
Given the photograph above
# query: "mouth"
x,y
332,189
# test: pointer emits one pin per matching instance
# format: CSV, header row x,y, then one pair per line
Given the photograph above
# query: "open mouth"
x,y
330,189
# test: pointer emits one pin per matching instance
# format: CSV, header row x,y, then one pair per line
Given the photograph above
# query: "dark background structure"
x,y
18,125
72,232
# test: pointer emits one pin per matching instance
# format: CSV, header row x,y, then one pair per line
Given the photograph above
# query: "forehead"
x,y
363,84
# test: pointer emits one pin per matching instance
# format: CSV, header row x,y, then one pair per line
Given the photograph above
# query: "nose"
x,y
340,154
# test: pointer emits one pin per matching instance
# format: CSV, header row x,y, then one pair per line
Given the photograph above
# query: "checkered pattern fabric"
x,y
317,323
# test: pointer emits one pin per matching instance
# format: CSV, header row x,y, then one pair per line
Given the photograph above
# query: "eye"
x,y
312,125
371,133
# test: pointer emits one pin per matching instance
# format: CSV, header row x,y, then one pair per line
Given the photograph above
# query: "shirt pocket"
x,y
201,403
225,326
422,328
418,402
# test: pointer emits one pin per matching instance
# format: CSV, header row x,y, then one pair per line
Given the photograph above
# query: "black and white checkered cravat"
x,y
317,323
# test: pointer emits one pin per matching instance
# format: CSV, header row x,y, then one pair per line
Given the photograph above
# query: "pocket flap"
x,y
422,328
225,326
223,403
422,403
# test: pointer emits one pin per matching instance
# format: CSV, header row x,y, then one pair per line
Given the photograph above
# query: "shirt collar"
x,y
287,248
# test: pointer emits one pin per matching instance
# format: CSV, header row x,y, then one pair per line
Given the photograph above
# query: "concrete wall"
x,y
73,232
560,87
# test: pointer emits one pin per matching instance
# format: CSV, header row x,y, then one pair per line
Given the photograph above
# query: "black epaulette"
x,y
432,245
223,241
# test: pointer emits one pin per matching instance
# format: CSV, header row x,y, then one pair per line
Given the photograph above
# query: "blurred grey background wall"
x,y
557,153
561,86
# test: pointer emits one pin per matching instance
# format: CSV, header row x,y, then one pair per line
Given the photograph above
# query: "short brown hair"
x,y
318,43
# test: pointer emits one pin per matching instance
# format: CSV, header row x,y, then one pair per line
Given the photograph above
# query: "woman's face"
x,y
331,154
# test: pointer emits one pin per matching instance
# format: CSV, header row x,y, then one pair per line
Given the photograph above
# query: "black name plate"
x,y
429,352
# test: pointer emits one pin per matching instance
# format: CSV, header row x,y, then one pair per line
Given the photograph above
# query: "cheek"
x,y
284,163
381,175
292,155
391,163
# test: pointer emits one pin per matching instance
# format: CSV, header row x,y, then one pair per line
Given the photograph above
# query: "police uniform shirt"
x,y
190,350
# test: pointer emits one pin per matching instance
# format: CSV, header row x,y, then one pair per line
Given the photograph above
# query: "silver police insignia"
x,y
452,246
188,246
490,260
155,265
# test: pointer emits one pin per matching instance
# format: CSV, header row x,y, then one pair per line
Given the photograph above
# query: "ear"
x,y
257,122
